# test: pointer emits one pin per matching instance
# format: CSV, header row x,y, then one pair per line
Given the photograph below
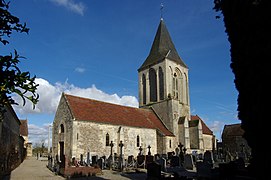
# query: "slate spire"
x,y
162,48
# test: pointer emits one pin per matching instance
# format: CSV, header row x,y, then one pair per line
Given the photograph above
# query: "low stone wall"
x,y
83,171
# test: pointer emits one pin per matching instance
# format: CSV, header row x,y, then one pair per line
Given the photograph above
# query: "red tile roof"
x,y
24,128
84,109
205,129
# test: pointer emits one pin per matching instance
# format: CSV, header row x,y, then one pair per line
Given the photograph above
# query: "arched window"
x,y
175,86
161,84
144,88
153,85
61,128
137,141
107,139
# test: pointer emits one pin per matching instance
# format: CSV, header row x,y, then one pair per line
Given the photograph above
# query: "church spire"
x,y
162,48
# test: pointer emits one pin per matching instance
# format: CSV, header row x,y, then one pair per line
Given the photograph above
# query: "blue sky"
x,y
93,48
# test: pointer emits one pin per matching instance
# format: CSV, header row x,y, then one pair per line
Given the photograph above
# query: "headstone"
x,y
163,163
204,170
177,150
149,147
170,155
121,158
208,157
141,161
175,161
62,163
81,160
164,156
149,159
242,155
188,162
94,160
100,163
154,170
200,156
140,151
50,162
88,159
156,157
130,161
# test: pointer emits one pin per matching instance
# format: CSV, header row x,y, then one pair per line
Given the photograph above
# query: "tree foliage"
x,y
248,26
12,79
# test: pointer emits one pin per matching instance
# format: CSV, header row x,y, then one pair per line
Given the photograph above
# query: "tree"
x,y
248,26
12,79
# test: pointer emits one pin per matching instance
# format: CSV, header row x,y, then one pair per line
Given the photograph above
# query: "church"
x,y
160,123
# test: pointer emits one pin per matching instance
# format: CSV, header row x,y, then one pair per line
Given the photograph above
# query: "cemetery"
x,y
177,165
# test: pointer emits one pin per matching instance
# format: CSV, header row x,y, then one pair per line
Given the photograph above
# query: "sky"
x,y
93,48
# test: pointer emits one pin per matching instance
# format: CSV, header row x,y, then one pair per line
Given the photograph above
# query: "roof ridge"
x,y
91,99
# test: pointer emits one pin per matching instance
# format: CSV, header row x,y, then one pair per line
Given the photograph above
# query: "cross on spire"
x,y
161,9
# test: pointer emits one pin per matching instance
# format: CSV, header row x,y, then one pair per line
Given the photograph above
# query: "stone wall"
x,y
62,116
91,137
208,142
194,137
11,143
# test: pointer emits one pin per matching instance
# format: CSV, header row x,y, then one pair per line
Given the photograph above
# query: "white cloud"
x,y
38,135
80,70
217,127
77,7
49,96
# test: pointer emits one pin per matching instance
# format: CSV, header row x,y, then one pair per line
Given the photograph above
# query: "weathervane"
x,y
161,9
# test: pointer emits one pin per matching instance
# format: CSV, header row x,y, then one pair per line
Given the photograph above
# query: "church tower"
x,y
164,86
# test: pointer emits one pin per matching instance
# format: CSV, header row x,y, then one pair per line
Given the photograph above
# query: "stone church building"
x,y
162,121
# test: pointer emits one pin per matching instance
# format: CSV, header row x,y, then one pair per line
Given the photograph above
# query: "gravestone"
x,y
175,161
170,155
104,161
100,163
156,157
140,161
149,153
81,160
149,159
164,156
94,160
163,164
140,151
204,170
50,162
200,156
121,158
208,157
188,162
88,159
242,155
154,170
130,161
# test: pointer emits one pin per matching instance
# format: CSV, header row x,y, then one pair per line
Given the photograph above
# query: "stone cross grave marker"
x,y
149,147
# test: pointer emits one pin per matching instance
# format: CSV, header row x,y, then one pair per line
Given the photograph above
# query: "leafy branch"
x,y
12,79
